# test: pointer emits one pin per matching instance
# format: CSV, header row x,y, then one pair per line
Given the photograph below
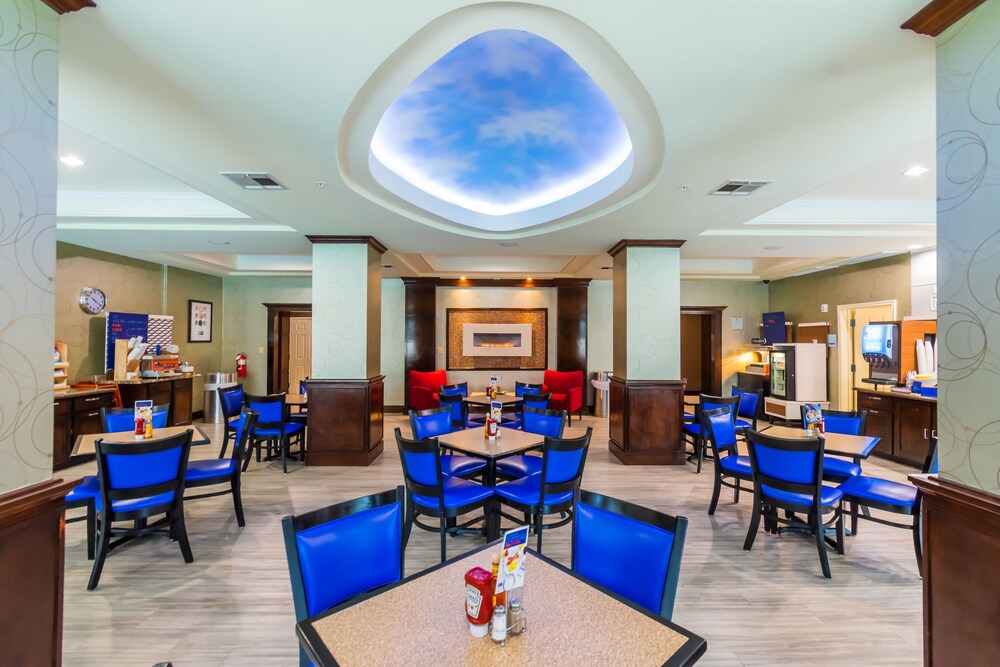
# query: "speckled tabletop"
x,y
569,622
474,441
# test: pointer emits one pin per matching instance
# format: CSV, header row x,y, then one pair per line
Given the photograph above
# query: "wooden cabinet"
x,y
182,401
72,416
177,392
62,432
753,382
904,425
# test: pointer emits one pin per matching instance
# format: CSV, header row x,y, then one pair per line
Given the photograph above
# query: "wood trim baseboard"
x,y
644,243
939,15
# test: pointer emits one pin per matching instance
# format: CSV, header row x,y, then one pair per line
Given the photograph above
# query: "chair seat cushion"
x,y
879,490
457,492
458,466
525,491
519,466
689,416
291,428
692,429
742,424
138,503
209,468
829,496
739,465
87,489
840,468
557,398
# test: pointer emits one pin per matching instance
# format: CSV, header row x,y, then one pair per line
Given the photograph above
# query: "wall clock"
x,y
92,300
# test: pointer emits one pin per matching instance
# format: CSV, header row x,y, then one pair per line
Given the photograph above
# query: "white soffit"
x,y
75,204
850,212
479,264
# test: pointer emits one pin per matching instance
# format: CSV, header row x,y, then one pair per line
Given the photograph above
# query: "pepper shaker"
x,y
515,618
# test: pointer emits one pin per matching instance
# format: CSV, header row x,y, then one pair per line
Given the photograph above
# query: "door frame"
x,y
715,341
278,320
844,386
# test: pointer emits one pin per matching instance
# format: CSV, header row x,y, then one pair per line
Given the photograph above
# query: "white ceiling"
x,y
828,101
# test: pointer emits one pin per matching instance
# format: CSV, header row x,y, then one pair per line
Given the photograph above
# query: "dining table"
x,y
85,443
482,399
473,442
854,447
421,621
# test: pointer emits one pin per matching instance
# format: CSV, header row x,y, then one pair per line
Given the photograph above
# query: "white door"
x,y
299,351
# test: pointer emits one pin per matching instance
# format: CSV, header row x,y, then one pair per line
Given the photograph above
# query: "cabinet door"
x,y
180,409
878,424
62,433
86,421
913,426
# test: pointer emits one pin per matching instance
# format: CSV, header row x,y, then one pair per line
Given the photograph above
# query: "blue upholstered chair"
x,y
429,492
731,469
693,430
751,408
522,388
889,496
85,495
459,410
541,422
301,415
537,401
210,472
273,428
344,550
136,483
836,469
459,388
231,400
630,549
788,475
437,421
118,420
551,490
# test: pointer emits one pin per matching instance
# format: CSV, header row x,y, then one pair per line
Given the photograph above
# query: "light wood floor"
x,y
233,605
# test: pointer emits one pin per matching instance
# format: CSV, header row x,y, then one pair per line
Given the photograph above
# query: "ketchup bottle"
x,y
478,601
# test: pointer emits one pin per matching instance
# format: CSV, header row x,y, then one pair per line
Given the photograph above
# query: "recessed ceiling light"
x,y
72,161
219,242
914,246
387,266
773,247
916,170
606,268
528,278
508,244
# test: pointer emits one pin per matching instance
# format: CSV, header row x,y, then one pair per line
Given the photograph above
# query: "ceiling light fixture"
x,y
387,266
606,268
72,161
916,170
219,242
508,244
914,246
773,247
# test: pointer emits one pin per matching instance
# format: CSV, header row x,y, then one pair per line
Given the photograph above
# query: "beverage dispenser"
x,y
880,348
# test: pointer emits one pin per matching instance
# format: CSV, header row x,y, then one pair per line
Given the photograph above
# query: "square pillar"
x,y
647,392
345,389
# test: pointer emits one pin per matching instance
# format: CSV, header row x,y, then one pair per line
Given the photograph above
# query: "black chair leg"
x,y
538,530
408,518
821,546
238,502
854,518
225,441
103,546
701,452
736,492
91,529
179,532
840,533
754,525
444,533
918,549
715,495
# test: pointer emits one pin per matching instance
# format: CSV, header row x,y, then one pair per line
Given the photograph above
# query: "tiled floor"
x,y
233,605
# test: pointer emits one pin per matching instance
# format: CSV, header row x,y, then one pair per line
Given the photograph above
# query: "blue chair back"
x,y
794,465
750,402
563,460
456,406
421,460
731,404
343,550
537,401
522,388
632,550
270,409
430,423
120,420
544,422
460,388
841,421
231,400
244,427
718,425
302,387
129,471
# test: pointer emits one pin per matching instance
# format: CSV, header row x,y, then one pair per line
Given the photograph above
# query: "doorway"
x,y
701,349
852,368
282,355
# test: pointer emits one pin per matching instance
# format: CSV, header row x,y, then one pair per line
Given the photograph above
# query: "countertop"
x,y
897,394
73,393
180,376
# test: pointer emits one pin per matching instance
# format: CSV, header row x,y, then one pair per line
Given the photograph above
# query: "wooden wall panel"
x,y
645,421
419,330
345,421
571,325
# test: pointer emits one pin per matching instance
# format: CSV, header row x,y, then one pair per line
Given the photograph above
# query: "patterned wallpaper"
x,y
340,306
652,305
968,69
393,339
29,35
879,280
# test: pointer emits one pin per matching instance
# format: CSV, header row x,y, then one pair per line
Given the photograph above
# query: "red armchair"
x,y
567,391
424,388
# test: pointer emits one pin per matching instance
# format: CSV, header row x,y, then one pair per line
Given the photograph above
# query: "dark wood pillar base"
x,y
32,547
345,421
961,544
645,421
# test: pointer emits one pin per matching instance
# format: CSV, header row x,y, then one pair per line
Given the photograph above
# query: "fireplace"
x,y
496,340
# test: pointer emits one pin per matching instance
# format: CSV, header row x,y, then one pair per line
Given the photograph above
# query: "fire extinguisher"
x,y
241,365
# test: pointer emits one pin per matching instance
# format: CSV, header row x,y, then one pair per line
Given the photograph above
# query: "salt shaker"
x,y
498,626
515,618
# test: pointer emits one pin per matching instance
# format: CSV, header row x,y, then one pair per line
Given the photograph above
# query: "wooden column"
x,y
420,329
961,542
345,421
32,544
571,324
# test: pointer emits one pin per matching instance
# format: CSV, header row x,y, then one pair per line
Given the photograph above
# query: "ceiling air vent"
x,y
253,181
741,188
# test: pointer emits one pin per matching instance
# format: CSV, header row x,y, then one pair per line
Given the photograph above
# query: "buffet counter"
x,y
905,423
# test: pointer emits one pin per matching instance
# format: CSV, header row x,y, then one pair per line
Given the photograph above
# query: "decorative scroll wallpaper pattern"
x,y
652,301
28,93
968,70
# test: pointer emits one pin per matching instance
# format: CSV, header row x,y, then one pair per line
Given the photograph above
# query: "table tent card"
x,y
512,557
